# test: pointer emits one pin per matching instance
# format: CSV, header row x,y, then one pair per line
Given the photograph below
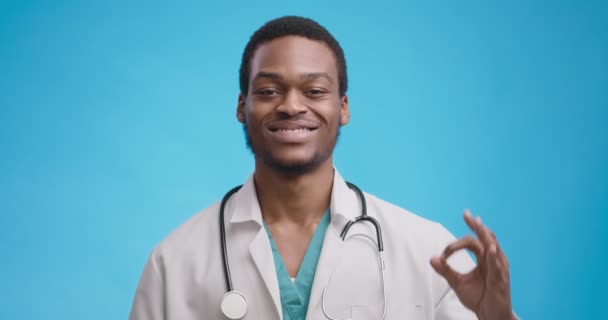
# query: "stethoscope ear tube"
x,y
223,237
363,217
345,229
378,230
361,198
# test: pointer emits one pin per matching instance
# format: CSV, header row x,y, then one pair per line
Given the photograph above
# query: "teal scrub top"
x,y
295,295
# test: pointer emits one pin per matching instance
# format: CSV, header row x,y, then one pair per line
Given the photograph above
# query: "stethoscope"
x,y
234,303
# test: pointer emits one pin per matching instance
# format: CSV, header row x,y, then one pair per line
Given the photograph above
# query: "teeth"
x,y
294,130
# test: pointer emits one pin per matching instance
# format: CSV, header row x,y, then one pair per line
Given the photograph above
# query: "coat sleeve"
x,y
149,301
447,304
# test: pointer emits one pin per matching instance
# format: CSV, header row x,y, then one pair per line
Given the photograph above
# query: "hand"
x,y
485,290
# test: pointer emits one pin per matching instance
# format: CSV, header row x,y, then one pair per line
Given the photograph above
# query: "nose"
x,y
291,104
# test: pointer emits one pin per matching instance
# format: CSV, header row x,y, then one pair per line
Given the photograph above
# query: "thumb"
x,y
442,267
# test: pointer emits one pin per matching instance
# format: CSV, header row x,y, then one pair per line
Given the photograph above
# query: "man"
x,y
288,259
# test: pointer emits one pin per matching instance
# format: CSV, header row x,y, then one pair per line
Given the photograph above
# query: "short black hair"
x,y
292,26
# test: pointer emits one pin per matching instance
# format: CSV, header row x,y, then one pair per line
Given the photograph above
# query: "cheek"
x,y
334,119
255,112
252,117
255,128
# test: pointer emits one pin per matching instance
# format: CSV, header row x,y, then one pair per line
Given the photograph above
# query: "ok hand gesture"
x,y
486,289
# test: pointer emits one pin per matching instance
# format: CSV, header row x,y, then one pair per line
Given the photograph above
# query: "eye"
x,y
267,92
315,92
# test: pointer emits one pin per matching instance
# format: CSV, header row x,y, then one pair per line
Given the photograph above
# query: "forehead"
x,y
292,55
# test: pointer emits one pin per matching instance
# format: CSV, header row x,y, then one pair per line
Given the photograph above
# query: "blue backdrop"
x,y
118,123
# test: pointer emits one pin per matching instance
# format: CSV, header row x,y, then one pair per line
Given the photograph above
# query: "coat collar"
x,y
344,203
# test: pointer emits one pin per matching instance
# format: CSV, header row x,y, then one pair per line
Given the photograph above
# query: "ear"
x,y
344,111
240,109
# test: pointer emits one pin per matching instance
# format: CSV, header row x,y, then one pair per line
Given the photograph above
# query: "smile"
x,y
292,130
291,135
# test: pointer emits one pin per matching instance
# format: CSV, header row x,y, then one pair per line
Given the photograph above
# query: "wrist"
x,y
510,316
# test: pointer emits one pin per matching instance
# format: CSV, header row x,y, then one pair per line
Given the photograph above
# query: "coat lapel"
x,y
344,206
264,262
248,210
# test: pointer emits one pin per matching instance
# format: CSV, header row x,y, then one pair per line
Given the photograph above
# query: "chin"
x,y
294,165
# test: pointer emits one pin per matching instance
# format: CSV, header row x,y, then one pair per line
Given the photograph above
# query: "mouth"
x,y
292,126
291,133
291,129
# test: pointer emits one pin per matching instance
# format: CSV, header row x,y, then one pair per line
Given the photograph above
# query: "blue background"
x,y
118,123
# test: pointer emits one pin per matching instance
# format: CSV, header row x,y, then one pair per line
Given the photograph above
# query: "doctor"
x,y
282,229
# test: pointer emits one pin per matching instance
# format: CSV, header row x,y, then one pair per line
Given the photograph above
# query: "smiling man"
x,y
297,241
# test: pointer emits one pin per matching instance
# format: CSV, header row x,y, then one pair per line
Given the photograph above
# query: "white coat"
x,y
184,276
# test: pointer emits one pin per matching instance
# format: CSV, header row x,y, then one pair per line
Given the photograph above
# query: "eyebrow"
x,y
316,75
276,76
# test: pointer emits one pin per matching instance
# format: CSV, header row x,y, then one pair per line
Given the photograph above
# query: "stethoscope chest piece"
x,y
234,305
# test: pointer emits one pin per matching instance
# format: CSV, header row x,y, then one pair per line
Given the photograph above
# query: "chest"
x,y
348,282
291,242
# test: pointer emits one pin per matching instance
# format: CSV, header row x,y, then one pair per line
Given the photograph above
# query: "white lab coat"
x,y
184,276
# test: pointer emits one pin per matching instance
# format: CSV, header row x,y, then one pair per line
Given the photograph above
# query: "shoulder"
x,y
420,237
397,217
192,235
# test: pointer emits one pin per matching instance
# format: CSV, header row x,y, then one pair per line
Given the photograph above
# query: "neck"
x,y
300,199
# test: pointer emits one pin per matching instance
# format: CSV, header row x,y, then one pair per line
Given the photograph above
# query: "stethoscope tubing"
x,y
343,234
223,237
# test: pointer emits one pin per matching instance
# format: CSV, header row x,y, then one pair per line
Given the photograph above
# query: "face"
x,y
293,110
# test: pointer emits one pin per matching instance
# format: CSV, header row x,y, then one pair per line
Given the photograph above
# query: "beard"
x,y
290,168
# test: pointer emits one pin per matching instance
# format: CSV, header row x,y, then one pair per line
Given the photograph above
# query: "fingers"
x,y
494,260
441,266
497,268
491,261
467,242
485,235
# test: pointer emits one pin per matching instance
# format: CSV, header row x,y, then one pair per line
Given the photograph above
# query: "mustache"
x,y
296,118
